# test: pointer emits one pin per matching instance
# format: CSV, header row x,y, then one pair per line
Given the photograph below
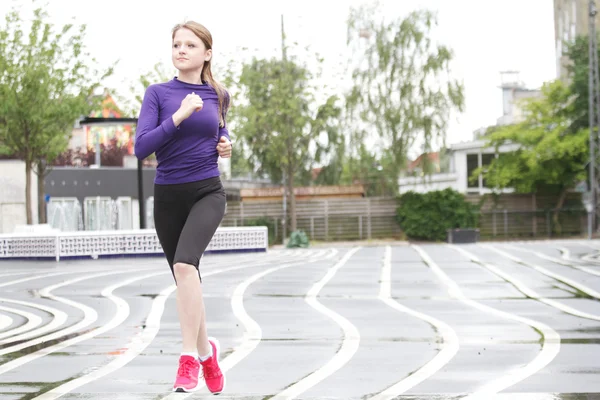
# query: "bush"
x,y
297,239
263,221
427,216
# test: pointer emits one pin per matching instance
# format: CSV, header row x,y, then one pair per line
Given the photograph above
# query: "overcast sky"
x,y
487,37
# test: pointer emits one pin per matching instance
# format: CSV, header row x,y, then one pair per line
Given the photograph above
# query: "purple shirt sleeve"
x,y
150,134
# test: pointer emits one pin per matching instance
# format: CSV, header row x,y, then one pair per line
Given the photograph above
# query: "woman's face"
x,y
189,52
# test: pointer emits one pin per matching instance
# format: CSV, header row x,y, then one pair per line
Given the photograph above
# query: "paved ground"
x,y
498,320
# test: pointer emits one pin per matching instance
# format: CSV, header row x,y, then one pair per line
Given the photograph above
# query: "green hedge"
x,y
427,216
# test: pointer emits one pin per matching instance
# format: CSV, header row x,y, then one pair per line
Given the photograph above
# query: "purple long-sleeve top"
x,y
186,153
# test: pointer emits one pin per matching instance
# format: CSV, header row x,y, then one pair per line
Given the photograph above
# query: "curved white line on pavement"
x,y
558,260
31,278
449,345
576,285
32,321
52,274
29,272
566,255
534,295
252,332
120,315
58,318
137,345
588,258
550,344
139,342
350,341
89,316
5,321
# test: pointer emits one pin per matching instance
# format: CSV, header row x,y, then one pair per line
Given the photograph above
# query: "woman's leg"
x,y
202,222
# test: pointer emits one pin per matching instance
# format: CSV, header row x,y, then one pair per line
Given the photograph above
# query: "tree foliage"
x,y
46,84
578,71
279,123
550,158
403,90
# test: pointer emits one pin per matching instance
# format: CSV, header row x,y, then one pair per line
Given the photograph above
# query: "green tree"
x,y
45,86
230,72
279,124
550,159
578,72
369,170
403,90
131,103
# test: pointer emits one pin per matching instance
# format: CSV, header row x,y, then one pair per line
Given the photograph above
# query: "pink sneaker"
x,y
214,378
187,375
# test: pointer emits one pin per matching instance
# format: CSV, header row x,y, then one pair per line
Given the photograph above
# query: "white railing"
x,y
93,244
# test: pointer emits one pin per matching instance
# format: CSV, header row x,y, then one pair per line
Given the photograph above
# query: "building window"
x,y
475,161
486,160
472,165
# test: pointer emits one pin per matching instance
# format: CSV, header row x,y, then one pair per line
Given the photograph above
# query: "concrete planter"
x,y
462,235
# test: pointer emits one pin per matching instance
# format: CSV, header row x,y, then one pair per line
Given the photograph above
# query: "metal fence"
x,y
332,219
531,224
337,219
373,218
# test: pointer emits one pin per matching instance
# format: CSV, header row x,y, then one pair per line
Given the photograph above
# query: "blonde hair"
x,y
206,76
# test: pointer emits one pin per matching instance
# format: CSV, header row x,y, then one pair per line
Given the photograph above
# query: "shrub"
x,y
427,216
297,239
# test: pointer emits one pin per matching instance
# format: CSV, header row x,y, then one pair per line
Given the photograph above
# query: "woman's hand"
x,y
190,104
224,147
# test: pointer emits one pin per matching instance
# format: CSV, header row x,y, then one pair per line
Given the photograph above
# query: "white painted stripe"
x,y
449,345
136,346
561,278
78,271
534,295
28,272
550,342
5,321
558,260
31,278
58,318
566,255
120,315
591,257
138,343
252,332
32,321
350,342
89,316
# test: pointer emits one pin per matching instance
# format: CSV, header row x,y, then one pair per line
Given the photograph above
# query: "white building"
x,y
469,156
464,159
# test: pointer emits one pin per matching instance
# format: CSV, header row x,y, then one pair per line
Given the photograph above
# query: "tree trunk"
x,y
292,199
41,194
561,201
28,210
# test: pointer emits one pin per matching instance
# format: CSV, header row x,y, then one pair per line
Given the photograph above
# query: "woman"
x,y
183,122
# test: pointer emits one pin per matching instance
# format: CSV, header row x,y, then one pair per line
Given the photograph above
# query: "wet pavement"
x,y
513,321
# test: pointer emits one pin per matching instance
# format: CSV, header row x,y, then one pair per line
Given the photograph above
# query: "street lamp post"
x,y
92,121
594,114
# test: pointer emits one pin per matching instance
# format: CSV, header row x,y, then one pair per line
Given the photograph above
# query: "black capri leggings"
x,y
186,216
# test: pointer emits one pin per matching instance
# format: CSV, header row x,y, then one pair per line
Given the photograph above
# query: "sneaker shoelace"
x,y
209,369
185,368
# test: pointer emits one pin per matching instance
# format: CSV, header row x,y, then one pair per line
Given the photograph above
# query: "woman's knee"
x,y
183,270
